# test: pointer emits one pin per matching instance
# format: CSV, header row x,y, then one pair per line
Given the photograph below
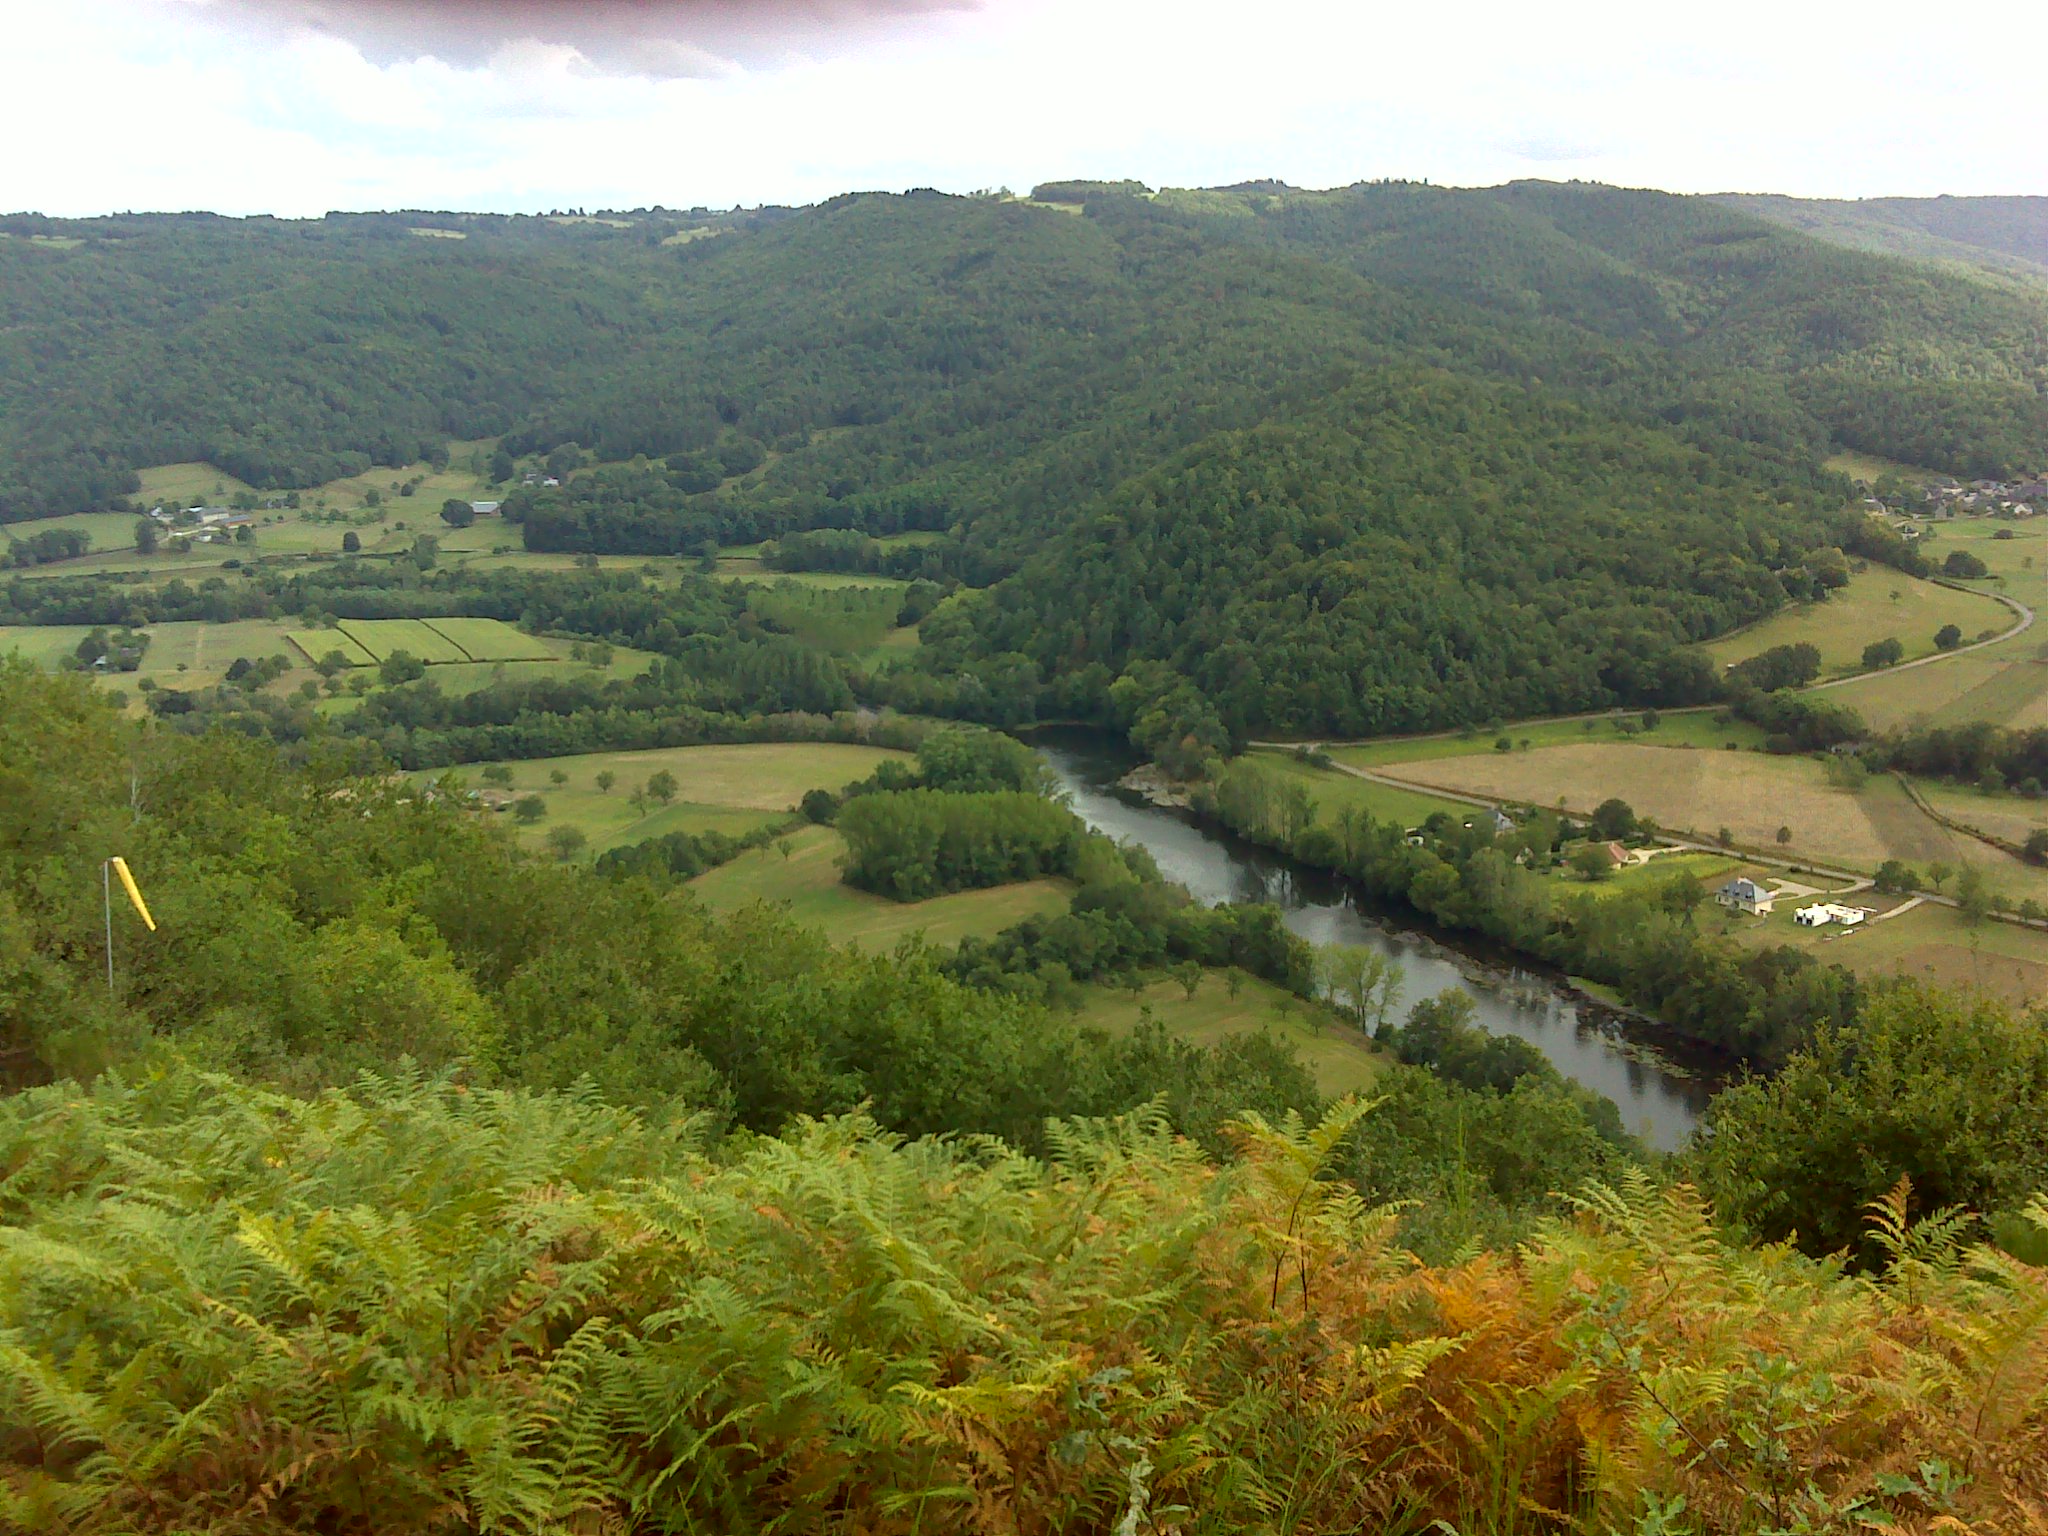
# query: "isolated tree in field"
x,y
638,800
1651,719
401,667
457,513
331,663
1614,820
784,847
1896,878
529,808
1887,652
1963,565
351,543
1233,981
661,785
2036,846
1784,836
1591,862
1948,637
1973,894
558,777
145,536
1503,744
499,774
565,841
605,780
1938,873
502,466
1189,975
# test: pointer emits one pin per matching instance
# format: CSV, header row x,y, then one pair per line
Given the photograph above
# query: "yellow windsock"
x,y
135,895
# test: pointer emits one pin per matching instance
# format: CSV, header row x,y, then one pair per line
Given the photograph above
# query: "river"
x,y
1658,1103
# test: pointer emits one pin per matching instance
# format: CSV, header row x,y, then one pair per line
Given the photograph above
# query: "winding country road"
x,y
2026,623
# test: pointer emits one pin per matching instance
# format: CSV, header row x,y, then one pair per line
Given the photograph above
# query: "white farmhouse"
x,y
1824,912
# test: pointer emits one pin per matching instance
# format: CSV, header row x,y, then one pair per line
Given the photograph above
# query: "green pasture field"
x,y
1698,728
1334,791
807,879
489,639
1342,1059
1868,468
42,645
110,532
383,637
730,789
183,656
315,644
2018,561
188,484
462,677
1710,869
1877,604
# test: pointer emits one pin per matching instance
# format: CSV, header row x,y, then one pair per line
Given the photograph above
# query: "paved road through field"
x,y
2026,623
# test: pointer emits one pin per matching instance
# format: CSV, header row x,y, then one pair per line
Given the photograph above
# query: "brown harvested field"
x,y
1692,789
1752,794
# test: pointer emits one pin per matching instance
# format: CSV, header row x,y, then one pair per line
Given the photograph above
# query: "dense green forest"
x,y
1552,432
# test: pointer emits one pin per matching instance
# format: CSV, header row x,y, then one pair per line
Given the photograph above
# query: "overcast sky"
x,y
301,106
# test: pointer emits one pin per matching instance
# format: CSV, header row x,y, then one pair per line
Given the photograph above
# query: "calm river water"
x,y
1656,1103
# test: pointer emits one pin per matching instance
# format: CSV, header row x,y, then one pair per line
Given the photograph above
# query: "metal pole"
x,y
107,907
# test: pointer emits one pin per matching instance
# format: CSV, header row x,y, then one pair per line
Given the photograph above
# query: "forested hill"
x,y
2004,233
972,351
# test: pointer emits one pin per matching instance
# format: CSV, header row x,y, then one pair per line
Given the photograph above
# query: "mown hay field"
x,y
489,639
316,644
2004,684
383,638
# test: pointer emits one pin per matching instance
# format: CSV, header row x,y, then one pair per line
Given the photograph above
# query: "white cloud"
x,y
141,105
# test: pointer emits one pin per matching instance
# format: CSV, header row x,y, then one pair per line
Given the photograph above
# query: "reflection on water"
x,y
1655,1104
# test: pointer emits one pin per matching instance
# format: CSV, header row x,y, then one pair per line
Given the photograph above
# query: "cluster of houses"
x,y
1945,499
201,525
1757,900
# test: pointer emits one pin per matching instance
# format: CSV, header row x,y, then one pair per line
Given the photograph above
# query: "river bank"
x,y
1659,1087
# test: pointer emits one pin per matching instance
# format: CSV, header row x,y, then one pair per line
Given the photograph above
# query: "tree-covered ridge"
x,y
1422,551
2007,234
884,343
